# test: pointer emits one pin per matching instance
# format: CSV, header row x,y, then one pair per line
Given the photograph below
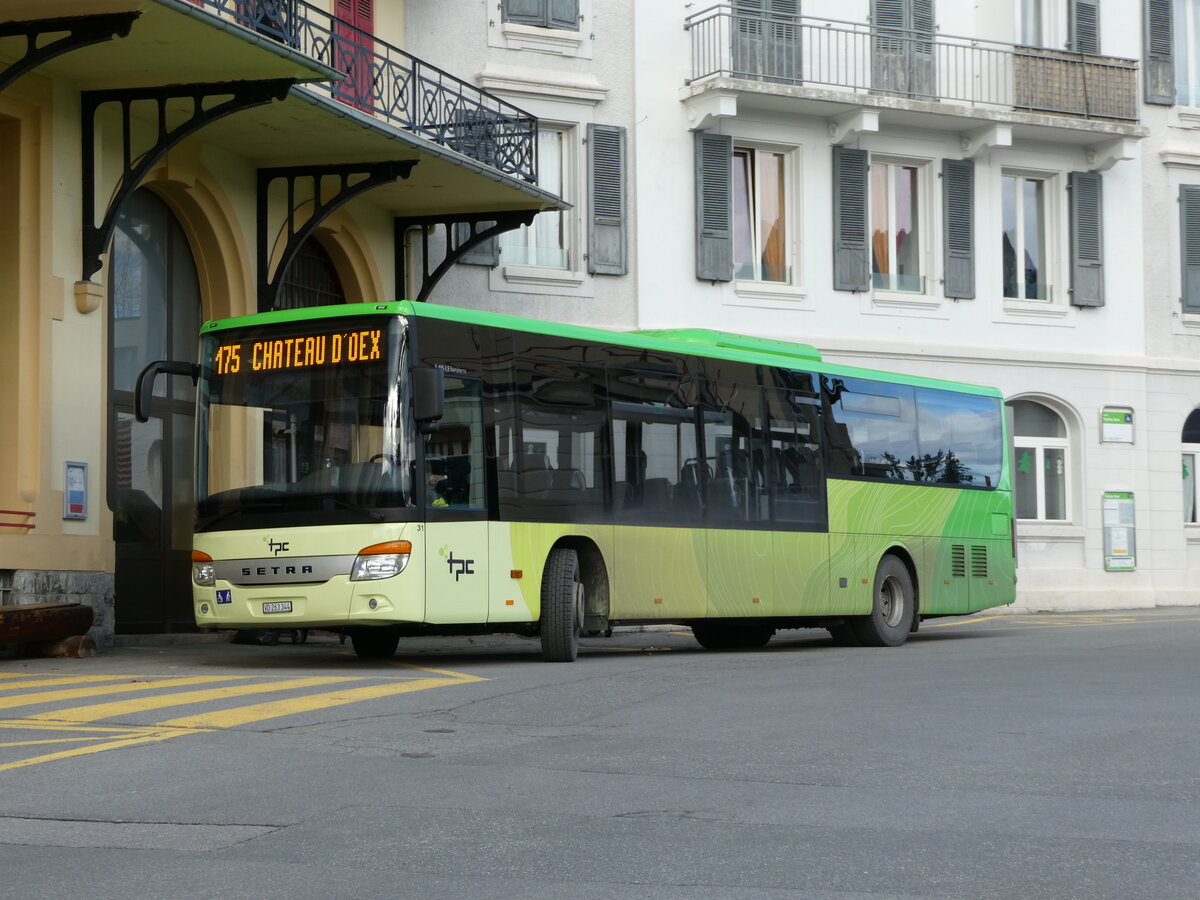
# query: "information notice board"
x,y
1120,536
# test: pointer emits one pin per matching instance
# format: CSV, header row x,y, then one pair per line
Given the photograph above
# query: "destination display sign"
x,y
311,351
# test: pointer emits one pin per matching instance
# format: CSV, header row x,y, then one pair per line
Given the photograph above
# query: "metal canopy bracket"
x,y
481,227
209,102
76,31
350,180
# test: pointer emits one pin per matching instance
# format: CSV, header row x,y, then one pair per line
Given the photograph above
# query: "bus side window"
x,y
561,441
658,469
796,471
734,454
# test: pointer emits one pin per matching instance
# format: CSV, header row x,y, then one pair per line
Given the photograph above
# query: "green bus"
x,y
394,469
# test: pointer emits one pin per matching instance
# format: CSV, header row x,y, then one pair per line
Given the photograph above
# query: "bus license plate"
x,y
278,606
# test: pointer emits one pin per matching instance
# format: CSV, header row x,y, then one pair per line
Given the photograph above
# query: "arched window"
x,y
311,279
1041,461
154,313
1191,451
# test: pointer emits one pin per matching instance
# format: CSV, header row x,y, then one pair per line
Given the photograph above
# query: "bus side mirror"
x,y
429,397
144,390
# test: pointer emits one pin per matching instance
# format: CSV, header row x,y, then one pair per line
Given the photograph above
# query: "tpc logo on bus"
x,y
275,546
457,566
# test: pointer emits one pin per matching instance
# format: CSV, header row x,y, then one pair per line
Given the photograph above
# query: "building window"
x,y
895,228
542,13
760,238
1026,268
1191,452
1031,23
1041,461
544,241
1186,50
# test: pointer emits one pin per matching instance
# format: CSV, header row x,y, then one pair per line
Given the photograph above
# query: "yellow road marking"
x,y
258,712
153,684
64,740
63,679
98,711
97,739
970,621
139,736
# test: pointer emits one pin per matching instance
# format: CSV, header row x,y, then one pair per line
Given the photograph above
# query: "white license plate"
x,y
278,606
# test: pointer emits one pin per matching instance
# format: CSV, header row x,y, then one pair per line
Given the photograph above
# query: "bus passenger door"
x,y
456,530
799,501
740,545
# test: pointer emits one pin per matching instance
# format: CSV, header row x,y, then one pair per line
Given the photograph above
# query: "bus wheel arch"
x,y
594,572
574,597
894,602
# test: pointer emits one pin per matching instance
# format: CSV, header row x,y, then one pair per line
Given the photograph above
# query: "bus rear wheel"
x,y
892,609
375,643
715,636
563,605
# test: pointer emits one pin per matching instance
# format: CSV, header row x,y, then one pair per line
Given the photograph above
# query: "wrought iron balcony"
x,y
802,50
389,84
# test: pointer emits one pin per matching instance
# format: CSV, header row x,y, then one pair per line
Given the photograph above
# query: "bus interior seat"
x,y
687,492
536,475
567,480
657,494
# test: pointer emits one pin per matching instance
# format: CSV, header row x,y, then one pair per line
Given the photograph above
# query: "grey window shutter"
x,y
923,81
958,223
525,12
563,14
485,254
606,198
1087,239
850,268
1159,69
714,207
1189,243
1085,26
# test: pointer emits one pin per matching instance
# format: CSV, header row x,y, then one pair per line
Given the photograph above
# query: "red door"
x,y
354,51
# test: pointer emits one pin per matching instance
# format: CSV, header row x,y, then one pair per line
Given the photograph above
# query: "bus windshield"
x,y
306,423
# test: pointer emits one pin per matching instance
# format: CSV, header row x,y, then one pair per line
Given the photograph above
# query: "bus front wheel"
x,y
375,643
563,605
892,609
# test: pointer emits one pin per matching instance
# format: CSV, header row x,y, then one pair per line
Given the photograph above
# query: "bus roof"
x,y
690,341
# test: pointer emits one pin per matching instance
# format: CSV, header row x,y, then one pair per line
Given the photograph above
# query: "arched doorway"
x,y
153,313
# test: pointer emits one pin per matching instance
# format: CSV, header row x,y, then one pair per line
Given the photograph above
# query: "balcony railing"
x,y
389,84
801,50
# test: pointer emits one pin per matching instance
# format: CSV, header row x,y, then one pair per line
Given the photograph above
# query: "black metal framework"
x,y
480,227
76,31
385,82
239,95
352,179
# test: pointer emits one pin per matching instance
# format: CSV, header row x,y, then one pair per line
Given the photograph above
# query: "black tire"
x,y
715,636
892,608
375,643
563,605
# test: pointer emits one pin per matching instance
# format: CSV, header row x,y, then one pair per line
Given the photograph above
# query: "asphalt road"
x,y
1024,756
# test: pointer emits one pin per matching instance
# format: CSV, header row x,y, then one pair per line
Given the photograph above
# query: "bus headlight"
x,y
204,573
381,561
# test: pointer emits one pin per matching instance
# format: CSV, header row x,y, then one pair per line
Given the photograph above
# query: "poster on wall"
x,y
75,477
1120,537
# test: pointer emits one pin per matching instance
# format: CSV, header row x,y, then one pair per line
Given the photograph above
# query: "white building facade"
x,y
1003,192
